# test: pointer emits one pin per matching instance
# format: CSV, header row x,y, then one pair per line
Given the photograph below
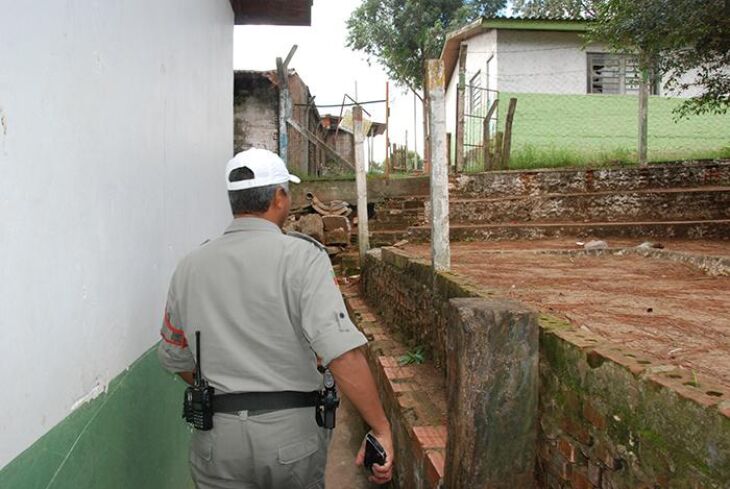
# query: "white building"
x,y
560,80
116,121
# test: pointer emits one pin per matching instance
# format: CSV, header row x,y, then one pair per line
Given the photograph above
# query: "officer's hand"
x,y
381,473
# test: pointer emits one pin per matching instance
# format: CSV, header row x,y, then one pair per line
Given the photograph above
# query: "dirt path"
x,y
341,472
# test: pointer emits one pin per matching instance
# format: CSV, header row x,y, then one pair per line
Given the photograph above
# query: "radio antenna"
x,y
198,370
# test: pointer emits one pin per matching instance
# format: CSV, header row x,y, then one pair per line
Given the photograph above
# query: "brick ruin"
x,y
583,411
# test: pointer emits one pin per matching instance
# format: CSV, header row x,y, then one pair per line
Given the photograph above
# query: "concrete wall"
x,y
255,113
116,127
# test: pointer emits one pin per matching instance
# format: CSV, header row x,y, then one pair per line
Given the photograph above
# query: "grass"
x,y
530,157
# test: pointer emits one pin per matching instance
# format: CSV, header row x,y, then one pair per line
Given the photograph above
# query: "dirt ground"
x,y
673,311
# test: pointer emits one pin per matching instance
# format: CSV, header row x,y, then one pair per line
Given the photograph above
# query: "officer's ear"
x,y
280,198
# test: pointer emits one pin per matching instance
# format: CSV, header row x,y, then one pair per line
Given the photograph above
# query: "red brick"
x,y
388,361
430,436
577,430
566,449
434,464
579,480
593,416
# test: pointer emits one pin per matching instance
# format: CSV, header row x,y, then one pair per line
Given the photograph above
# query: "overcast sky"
x,y
328,67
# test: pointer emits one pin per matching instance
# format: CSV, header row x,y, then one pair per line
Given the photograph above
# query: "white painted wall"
x,y
480,49
543,62
116,126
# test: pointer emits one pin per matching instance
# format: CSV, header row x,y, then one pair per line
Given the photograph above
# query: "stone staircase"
x,y
687,200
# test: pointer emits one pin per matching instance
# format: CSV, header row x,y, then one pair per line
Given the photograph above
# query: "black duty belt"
x,y
263,401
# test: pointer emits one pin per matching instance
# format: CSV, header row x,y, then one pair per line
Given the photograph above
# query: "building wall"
x,y
255,113
543,62
115,129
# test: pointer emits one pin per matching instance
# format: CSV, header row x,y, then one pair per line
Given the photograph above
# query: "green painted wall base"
x,y
131,437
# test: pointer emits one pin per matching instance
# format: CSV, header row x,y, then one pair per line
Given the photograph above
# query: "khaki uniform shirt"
x,y
265,303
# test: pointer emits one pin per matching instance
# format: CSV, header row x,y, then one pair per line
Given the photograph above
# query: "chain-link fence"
x,y
557,129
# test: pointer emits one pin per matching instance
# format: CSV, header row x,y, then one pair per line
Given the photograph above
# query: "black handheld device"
x,y
374,452
198,402
328,401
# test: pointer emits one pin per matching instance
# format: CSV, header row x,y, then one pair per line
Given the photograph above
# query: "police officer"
x,y
267,306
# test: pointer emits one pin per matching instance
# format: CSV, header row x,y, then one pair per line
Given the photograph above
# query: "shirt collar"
x,y
251,224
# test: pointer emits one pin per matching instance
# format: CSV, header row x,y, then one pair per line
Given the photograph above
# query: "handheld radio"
x,y
198,402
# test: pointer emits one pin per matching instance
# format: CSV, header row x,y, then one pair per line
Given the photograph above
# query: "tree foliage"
x,y
555,8
402,34
686,41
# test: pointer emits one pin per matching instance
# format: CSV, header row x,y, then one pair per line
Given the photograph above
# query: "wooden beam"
x,y
644,90
488,162
508,133
315,140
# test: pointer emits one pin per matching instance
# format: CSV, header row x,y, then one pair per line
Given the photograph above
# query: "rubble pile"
x,y
327,222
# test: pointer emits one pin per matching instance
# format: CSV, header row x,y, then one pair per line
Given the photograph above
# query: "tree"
x,y
402,34
687,42
555,8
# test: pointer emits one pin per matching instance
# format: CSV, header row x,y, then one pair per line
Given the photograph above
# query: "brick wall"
x,y
609,418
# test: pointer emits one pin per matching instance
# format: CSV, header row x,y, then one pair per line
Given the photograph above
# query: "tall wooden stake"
x,y
363,238
644,89
488,162
440,251
460,107
285,106
508,133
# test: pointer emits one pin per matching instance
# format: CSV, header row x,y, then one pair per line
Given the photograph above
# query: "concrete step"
x,y
702,229
387,237
587,180
706,203
403,203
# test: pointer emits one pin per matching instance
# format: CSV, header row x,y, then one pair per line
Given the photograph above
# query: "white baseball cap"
x,y
267,168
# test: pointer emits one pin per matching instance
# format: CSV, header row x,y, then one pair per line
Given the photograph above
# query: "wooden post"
x,y
440,252
387,133
644,90
363,238
285,106
498,150
488,162
460,106
508,133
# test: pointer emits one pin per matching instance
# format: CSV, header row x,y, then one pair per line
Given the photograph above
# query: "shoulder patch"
x,y
306,237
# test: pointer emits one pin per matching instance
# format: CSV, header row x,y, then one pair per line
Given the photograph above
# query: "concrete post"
x,y
460,106
492,382
440,252
363,237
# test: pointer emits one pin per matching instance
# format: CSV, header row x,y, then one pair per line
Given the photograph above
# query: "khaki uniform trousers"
x,y
282,449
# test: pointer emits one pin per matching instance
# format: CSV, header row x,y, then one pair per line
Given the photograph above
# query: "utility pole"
x,y
285,106
363,237
440,250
